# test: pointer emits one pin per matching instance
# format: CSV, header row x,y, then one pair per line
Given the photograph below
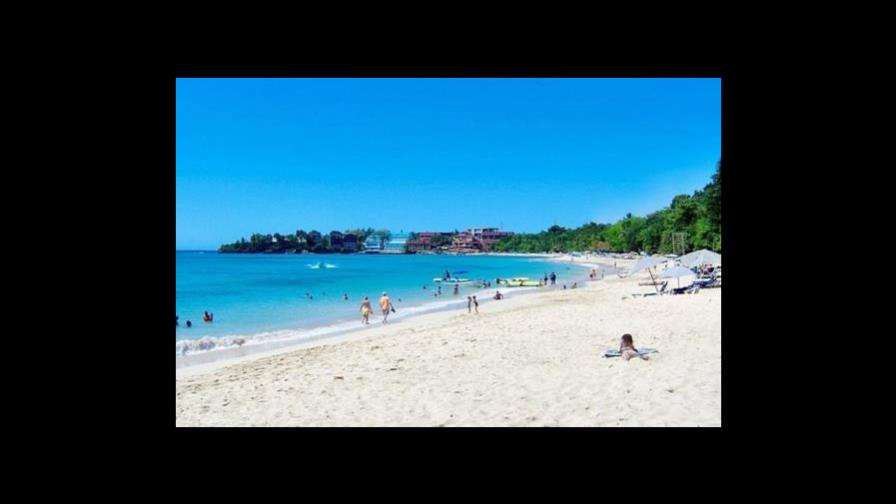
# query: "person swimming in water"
x,y
189,324
345,297
469,304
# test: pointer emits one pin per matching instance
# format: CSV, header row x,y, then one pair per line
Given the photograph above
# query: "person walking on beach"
x,y
476,305
365,311
385,305
469,304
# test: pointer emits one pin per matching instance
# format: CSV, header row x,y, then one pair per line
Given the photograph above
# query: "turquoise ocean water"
x,y
263,297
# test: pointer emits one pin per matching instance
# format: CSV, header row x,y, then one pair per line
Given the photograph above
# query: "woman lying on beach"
x,y
627,348
365,311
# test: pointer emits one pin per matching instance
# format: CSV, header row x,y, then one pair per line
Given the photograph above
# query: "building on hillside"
x,y
396,243
478,239
373,243
424,241
336,240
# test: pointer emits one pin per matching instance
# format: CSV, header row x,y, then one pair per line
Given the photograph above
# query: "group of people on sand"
x,y
385,306
471,300
206,317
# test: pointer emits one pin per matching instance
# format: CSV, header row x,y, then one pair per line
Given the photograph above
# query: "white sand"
x,y
533,360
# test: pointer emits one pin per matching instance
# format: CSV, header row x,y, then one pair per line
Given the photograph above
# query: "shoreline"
x,y
531,360
283,340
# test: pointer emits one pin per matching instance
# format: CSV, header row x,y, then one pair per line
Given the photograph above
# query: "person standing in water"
x,y
365,311
553,278
385,305
176,320
345,297
455,289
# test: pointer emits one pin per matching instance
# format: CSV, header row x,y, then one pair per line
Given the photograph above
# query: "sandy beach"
x,y
530,360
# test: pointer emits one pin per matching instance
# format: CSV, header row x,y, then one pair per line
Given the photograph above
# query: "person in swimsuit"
x,y
627,348
455,289
385,305
476,305
365,311
469,304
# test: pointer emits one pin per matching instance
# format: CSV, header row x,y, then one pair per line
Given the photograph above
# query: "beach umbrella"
x,y
700,258
647,263
676,272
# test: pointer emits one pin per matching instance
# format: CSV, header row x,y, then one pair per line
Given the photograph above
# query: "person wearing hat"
x,y
385,305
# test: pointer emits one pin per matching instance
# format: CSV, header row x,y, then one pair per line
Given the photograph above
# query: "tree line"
x,y
312,241
688,223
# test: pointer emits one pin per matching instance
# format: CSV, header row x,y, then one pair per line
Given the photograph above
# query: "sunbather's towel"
x,y
641,351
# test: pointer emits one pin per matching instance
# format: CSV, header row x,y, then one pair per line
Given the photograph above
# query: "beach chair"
x,y
682,290
662,290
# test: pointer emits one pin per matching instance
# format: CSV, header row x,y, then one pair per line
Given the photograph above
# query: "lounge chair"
x,y
662,290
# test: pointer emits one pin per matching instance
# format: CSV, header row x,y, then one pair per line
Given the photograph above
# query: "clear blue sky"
x,y
276,155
